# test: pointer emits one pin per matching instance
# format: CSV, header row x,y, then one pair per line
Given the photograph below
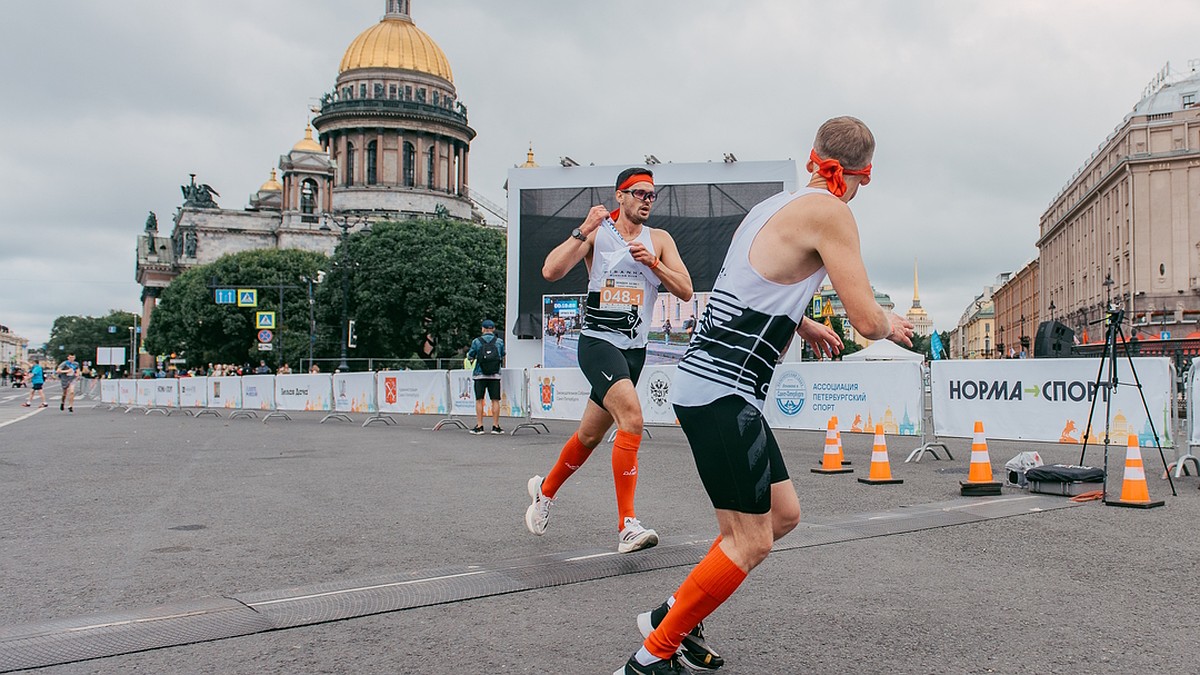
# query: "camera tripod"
x,y
1114,333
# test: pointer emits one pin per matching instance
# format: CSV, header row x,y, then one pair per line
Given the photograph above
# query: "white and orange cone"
x,y
979,482
881,469
829,461
1134,491
841,453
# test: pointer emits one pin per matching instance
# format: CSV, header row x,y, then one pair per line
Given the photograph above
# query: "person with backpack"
x,y
487,351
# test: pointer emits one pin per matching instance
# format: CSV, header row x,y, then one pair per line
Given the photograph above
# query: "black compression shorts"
x,y
604,365
736,454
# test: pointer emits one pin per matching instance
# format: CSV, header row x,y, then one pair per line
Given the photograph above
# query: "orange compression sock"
x,y
624,465
573,455
710,583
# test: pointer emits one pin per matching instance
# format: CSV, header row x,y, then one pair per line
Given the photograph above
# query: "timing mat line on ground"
x,y
114,633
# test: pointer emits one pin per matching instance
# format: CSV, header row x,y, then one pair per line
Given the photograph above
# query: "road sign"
x,y
265,335
1165,335
264,319
265,346
226,296
247,297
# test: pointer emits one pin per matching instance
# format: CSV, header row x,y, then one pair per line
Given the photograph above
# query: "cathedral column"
x,y
149,302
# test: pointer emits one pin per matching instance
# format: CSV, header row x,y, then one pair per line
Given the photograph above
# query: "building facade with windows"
x,y
391,142
1016,305
1125,231
14,349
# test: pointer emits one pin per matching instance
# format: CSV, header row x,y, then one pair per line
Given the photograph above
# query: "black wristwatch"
x,y
578,234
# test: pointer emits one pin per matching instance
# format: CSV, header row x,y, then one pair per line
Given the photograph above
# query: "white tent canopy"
x,y
884,350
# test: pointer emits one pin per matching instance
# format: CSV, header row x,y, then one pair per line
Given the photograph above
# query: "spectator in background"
x,y
37,379
263,368
285,369
314,369
487,351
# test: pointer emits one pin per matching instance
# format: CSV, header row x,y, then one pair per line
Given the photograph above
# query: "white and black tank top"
x,y
621,290
747,324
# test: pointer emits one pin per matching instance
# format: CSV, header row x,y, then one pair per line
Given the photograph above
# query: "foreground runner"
x,y
779,256
626,261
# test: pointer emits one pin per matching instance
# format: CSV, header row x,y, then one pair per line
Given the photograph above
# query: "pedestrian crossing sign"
x,y
247,297
264,320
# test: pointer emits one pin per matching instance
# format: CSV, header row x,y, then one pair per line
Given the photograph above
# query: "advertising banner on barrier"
x,y
127,392
225,392
557,393
417,392
258,392
193,392
88,387
654,392
145,392
1050,399
512,393
1193,403
108,391
354,392
861,394
304,391
166,392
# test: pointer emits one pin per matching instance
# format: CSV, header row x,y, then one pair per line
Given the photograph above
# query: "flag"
x,y
935,345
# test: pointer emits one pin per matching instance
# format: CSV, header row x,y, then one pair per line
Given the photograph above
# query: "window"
x,y
349,164
362,90
1189,100
347,93
372,151
308,196
429,168
420,94
407,93
410,160
392,91
377,91
436,98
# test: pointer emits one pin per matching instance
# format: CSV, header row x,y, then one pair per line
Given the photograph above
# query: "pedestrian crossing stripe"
x,y
264,319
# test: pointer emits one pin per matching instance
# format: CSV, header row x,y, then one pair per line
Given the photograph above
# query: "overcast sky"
x,y
982,112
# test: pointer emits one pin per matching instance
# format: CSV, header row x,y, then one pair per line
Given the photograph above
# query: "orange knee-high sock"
x,y
624,465
573,455
710,584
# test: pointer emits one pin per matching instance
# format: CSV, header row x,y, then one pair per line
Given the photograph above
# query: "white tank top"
x,y
747,324
621,290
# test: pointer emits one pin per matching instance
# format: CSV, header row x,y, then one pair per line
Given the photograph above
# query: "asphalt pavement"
x,y
106,511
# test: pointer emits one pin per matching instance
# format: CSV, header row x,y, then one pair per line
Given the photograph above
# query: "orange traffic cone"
x,y
841,454
881,469
979,481
1134,492
829,461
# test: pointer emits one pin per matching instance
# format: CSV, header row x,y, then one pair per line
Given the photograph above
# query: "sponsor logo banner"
x,y
166,392
558,393
1051,399
193,392
145,392
258,392
225,392
512,393
109,391
861,395
304,391
654,392
354,392
416,392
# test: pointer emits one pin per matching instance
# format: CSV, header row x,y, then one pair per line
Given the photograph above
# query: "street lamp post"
x,y
345,223
1052,310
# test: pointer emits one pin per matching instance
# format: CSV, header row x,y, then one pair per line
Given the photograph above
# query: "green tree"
x,y
81,335
188,321
920,344
418,288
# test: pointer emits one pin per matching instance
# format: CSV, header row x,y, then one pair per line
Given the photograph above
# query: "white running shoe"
x,y
634,537
537,516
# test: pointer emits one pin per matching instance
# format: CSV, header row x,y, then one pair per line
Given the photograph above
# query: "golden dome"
x,y
529,163
271,185
395,42
307,144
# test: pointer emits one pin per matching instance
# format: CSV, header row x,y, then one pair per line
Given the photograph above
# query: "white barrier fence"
x,y
1045,400
1051,399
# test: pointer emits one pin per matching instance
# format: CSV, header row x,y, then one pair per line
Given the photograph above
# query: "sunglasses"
x,y
642,195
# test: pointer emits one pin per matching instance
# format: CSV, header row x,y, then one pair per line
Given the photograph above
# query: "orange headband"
x,y
831,170
632,180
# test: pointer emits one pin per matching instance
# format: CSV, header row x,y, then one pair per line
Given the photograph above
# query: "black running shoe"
x,y
694,651
632,667
477,431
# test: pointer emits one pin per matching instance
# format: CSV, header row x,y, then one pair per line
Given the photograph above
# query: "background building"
x,y
393,143
1131,214
1015,303
916,315
13,348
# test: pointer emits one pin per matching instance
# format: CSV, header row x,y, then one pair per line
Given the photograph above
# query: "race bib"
x,y
621,296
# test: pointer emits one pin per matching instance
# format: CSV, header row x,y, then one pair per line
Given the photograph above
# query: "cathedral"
x,y
391,141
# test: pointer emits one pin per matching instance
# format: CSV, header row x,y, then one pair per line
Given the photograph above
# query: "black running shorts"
x,y
736,454
603,365
489,387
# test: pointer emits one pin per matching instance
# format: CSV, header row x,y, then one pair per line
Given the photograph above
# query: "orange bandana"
x,y
632,180
831,170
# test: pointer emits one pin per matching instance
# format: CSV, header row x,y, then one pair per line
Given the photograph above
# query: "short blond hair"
x,y
846,139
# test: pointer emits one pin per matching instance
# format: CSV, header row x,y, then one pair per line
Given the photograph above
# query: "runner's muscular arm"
x,y
567,255
670,270
839,247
